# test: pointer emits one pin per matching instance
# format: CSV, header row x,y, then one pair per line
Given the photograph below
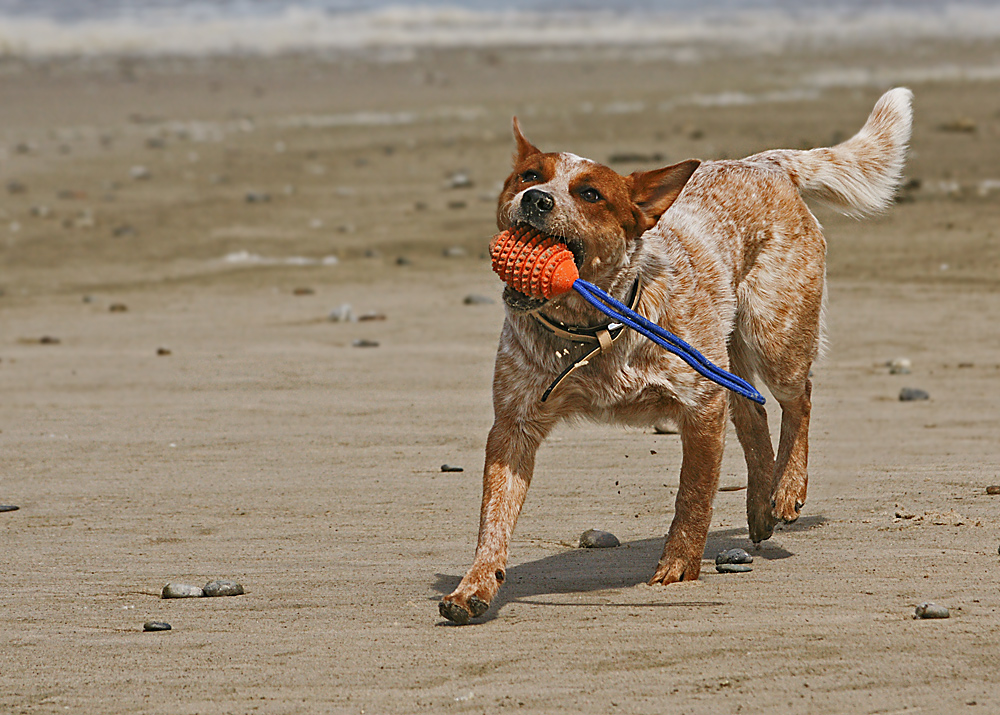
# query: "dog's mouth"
x,y
520,302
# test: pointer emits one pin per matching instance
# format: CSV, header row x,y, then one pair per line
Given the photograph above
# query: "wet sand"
x,y
206,199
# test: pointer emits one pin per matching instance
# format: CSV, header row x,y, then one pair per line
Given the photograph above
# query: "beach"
x,y
178,405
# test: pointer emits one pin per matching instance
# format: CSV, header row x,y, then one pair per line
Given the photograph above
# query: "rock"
x,y
451,468
597,539
910,394
163,351
733,568
475,299
223,588
899,366
16,187
117,308
122,231
257,197
48,340
139,173
455,205
155,626
303,290
454,252
733,556
365,343
370,316
8,507
993,489
403,261
931,610
181,590
342,314
41,211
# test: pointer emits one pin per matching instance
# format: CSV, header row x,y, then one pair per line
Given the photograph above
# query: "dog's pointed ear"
x,y
654,191
524,147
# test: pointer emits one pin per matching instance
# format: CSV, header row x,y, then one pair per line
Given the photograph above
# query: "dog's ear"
x,y
654,191
524,147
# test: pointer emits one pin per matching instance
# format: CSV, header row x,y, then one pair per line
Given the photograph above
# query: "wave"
x,y
302,28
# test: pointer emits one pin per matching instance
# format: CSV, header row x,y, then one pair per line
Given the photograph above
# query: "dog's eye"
x,y
591,195
530,175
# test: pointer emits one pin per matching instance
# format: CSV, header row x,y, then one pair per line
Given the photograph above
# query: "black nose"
x,y
537,201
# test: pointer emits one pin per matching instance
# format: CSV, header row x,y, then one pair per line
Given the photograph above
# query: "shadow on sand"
x,y
576,571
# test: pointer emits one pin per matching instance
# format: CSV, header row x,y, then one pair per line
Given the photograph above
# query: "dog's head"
x,y
596,211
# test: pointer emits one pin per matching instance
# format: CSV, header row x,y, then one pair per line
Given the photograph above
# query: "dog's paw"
x,y
460,613
787,504
761,524
675,569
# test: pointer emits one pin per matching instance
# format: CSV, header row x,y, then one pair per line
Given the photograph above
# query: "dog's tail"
x,y
859,176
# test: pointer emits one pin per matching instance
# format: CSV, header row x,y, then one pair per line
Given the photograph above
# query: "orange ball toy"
x,y
532,263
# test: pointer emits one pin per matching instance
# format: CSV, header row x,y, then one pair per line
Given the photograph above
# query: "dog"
x,y
726,255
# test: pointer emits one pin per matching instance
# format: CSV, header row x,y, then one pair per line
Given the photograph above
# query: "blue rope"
x,y
616,310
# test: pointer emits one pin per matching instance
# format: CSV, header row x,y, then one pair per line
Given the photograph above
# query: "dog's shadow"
x,y
576,571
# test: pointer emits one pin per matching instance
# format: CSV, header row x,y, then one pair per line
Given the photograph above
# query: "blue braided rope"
x,y
616,310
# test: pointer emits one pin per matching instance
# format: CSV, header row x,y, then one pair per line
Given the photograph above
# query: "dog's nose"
x,y
537,201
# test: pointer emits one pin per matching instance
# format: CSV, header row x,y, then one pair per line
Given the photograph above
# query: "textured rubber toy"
x,y
532,263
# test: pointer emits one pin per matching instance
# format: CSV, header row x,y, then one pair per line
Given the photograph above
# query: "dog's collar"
x,y
603,336
592,334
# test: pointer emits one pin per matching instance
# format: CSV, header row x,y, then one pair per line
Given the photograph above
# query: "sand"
x,y
216,424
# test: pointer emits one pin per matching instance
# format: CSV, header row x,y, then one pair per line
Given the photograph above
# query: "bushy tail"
x,y
859,176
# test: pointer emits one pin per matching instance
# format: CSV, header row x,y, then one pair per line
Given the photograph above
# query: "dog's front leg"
x,y
703,436
510,461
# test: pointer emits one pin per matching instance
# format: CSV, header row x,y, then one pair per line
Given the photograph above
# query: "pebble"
x,y
342,314
597,539
365,343
666,427
733,568
118,308
899,366
139,173
475,299
964,125
910,394
257,197
733,556
371,315
454,252
181,590
8,507
162,351
48,340
403,261
155,626
16,187
993,489
931,610
303,290
451,468
223,588
459,180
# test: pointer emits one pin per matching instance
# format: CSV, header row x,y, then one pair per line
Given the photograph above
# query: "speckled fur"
x,y
735,267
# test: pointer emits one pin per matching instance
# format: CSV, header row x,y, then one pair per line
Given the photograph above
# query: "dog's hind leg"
x,y
703,437
790,469
750,421
510,462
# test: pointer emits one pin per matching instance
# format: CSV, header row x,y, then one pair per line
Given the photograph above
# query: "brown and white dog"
x,y
726,255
